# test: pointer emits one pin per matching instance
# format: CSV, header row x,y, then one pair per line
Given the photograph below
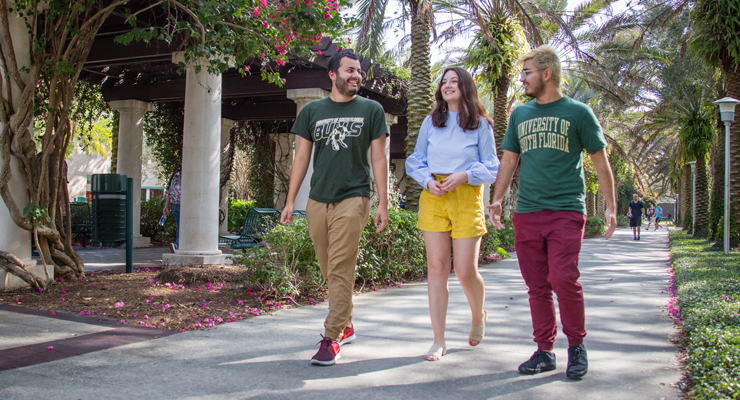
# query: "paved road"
x,y
267,357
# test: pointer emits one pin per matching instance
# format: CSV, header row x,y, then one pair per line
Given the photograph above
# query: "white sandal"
x,y
436,352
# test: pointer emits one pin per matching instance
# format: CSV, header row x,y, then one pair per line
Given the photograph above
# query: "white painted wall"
x,y
79,166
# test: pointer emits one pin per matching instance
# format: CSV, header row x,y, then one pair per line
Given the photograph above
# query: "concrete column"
x,y
14,239
301,98
226,126
201,167
130,142
284,155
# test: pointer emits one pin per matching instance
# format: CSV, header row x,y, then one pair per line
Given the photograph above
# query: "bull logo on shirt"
x,y
337,131
336,138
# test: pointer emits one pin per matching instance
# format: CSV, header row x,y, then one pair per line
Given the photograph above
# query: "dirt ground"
x,y
178,298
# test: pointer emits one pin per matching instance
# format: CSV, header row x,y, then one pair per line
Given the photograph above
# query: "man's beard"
x,y
344,89
536,91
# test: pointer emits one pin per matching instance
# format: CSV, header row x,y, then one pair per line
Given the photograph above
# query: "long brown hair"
x,y
471,108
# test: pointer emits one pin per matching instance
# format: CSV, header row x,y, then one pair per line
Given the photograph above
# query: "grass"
x,y
706,305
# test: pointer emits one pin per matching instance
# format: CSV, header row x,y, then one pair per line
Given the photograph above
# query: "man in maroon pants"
x,y
549,134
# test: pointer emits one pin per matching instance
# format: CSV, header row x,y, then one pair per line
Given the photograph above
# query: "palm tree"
x,y
420,98
696,137
716,29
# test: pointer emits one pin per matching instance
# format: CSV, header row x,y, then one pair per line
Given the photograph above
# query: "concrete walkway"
x,y
267,357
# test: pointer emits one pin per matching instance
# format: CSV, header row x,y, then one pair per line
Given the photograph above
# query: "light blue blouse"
x,y
451,149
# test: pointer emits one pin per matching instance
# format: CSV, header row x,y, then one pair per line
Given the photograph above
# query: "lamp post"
x,y
727,114
693,195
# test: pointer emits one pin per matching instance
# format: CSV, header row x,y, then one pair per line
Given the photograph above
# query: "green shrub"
x,y
151,212
395,253
595,226
287,265
237,212
706,305
495,243
622,220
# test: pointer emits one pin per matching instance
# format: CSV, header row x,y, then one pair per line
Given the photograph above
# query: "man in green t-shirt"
x,y
340,129
549,135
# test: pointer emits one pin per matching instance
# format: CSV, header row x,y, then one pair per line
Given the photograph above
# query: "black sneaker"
x,y
540,361
577,362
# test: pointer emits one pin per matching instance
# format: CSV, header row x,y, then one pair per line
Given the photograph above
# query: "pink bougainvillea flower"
x,y
50,348
119,304
231,313
61,279
256,12
162,323
64,291
240,302
123,320
263,3
148,301
82,313
61,298
146,317
202,306
53,312
136,314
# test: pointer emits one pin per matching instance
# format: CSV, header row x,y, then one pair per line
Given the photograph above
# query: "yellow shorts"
x,y
460,211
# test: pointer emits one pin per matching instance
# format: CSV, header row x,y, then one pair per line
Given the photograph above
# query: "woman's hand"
x,y
434,188
453,181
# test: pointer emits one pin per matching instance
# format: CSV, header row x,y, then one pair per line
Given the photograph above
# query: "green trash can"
x,y
108,192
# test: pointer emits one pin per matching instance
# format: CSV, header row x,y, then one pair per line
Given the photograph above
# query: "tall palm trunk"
x,y
733,90
717,199
114,142
420,98
500,111
686,198
701,223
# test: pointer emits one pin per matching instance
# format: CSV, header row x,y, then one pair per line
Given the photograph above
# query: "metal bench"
x,y
257,222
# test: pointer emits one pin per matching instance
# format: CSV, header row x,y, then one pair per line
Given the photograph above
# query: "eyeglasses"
x,y
525,72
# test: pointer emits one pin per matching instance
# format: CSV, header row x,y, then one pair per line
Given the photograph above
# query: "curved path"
x,y
267,357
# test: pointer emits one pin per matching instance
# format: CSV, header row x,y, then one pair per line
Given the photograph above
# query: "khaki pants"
x,y
336,229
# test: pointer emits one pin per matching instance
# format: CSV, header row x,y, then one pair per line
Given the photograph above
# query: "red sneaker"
x,y
328,352
348,335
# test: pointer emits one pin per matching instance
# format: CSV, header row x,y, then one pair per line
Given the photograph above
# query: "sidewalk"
x,y
267,357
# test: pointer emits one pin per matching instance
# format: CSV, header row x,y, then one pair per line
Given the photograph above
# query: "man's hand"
x,y
453,181
286,216
165,210
494,215
435,188
611,222
381,214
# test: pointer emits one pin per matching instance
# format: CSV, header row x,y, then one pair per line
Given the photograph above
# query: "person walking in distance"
x,y
636,210
549,135
651,216
455,154
658,216
174,192
340,129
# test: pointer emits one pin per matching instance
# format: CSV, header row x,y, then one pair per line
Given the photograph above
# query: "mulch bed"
x,y
176,298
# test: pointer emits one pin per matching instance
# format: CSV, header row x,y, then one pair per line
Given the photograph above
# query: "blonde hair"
x,y
544,57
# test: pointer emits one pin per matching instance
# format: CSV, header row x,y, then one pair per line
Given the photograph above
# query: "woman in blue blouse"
x,y
455,155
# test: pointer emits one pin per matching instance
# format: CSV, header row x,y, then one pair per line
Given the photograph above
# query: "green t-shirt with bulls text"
x,y
341,134
550,138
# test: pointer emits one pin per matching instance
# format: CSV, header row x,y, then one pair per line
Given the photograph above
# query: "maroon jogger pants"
x,y
547,246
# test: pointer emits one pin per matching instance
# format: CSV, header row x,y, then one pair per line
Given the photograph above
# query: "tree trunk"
x,y
590,204
686,198
717,199
733,90
601,205
114,142
701,223
420,98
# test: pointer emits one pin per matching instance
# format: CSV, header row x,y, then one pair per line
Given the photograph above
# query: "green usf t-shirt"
x,y
550,139
341,134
